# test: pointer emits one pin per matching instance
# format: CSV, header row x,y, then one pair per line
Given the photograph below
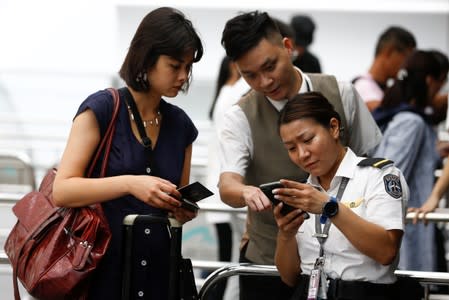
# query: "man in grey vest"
x,y
251,151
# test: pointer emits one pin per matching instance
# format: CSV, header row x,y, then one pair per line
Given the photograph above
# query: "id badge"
x,y
314,284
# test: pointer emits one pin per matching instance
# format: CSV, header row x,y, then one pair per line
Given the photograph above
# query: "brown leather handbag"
x,y
53,250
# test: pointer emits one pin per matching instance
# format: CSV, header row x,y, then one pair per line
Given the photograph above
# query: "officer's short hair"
x,y
313,105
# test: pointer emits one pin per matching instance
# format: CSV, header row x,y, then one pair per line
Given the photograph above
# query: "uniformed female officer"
x,y
349,248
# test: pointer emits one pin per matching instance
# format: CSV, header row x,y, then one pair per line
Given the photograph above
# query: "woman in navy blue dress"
x,y
139,180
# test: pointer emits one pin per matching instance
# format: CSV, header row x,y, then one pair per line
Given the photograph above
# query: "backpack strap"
x,y
355,79
382,86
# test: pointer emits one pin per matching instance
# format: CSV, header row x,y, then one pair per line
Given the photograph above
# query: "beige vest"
x,y
270,162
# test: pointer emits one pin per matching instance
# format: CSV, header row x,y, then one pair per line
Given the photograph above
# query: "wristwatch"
x,y
330,209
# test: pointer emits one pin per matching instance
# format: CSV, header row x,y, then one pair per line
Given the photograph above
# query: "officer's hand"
x,y
255,199
289,224
302,195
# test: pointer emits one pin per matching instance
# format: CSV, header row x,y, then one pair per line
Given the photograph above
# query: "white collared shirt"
x,y
234,133
366,195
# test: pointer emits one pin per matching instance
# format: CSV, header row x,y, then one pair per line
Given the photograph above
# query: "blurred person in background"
x,y
438,113
439,106
225,96
304,29
409,139
392,48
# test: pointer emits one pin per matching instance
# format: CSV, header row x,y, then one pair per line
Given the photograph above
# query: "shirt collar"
x,y
346,168
348,165
279,104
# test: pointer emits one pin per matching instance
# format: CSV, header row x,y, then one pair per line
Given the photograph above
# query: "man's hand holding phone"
x,y
255,199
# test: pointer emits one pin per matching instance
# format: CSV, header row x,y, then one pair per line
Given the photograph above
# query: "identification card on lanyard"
x,y
318,279
314,284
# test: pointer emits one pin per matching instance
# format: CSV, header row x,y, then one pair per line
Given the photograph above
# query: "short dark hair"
x,y
284,29
311,105
304,28
398,37
163,31
244,32
443,62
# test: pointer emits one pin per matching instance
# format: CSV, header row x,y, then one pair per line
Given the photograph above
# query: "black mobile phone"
x,y
267,189
192,193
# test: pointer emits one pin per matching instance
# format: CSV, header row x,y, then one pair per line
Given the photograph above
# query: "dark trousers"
x,y
262,287
406,288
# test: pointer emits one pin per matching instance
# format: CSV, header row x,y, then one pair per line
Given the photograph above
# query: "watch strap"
x,y
324,216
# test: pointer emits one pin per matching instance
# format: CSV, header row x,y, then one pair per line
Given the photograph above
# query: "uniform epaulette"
x,y
375,162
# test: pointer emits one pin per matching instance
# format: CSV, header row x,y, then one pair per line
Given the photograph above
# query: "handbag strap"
x,y
107,138
105,144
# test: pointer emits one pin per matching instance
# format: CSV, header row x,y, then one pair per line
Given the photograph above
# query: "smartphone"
x,y
267,189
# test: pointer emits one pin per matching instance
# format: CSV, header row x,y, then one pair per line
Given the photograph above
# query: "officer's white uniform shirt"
x,y
366,194
236,144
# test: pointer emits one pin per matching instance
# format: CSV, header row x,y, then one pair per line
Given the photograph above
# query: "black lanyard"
x,y
146,141
322,235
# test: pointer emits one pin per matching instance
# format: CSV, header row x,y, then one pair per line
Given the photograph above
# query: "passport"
x,y
192,193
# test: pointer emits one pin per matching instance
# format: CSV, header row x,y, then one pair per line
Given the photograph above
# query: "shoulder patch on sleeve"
x,y
375,162
393,185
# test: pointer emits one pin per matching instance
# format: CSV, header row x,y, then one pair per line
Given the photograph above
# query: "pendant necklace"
x,y
151,122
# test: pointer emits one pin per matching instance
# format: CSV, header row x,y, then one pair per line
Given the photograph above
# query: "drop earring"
x,y
341,132
142,80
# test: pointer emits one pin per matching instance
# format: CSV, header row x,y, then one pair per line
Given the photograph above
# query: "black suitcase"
x,y
181,283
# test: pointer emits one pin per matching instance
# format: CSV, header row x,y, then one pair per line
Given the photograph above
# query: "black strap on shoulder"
x,y
354,80
146,141
382,86
375,162
132,104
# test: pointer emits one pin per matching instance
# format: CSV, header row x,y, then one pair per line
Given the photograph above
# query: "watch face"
x,y
330,209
